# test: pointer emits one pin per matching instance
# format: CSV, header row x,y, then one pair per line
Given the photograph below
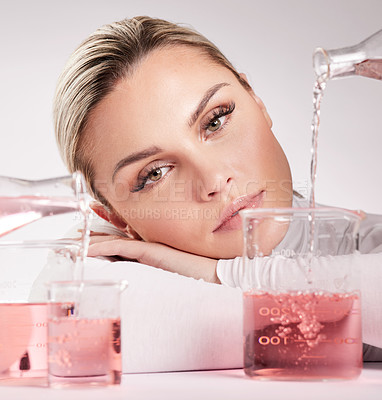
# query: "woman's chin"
x,y
225,249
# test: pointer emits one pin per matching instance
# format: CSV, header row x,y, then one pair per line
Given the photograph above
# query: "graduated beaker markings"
x,y
276,340
25,340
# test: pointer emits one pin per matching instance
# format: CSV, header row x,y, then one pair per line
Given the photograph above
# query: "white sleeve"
x,y
370,234
230,272
368,267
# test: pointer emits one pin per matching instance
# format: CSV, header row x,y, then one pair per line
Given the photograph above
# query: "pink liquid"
x,y
369,69
310,335
84,351
23,343
16,212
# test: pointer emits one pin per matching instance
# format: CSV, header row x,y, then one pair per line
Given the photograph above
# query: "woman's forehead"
x,y
155,103
177,66
167,84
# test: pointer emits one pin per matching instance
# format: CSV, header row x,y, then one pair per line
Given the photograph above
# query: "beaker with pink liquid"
x,y
84,333
301,298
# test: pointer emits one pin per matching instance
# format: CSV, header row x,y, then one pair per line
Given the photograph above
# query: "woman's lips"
x,y
230,219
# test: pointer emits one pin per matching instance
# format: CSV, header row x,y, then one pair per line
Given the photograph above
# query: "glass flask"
x,y
363,59
25,201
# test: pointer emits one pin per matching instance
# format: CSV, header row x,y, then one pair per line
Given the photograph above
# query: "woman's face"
x,y
179,147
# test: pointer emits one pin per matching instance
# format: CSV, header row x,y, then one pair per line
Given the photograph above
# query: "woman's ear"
x,y
258,101
114,218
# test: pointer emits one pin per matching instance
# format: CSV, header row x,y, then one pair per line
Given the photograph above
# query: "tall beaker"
x,y
302,314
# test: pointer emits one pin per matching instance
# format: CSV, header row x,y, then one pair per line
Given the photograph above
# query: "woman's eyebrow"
x,y
134,157
203,103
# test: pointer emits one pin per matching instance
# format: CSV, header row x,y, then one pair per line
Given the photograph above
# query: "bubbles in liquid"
x,y
85,348
302,335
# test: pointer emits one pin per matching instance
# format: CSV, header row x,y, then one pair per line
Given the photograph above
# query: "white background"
x,y
271,41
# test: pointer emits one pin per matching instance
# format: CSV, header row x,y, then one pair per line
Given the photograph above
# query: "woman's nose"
x,y
212,181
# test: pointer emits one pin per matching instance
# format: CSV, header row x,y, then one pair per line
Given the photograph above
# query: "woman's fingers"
x,y
92,233
114,246
106,238
155,254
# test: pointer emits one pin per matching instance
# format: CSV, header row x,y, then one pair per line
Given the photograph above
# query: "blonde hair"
x,y
108,55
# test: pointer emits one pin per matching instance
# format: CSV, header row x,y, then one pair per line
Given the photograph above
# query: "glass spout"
x,y
363,59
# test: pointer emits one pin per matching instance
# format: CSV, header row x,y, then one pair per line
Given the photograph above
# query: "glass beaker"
x,y
302,314
23,319
363,59
84,333
27,246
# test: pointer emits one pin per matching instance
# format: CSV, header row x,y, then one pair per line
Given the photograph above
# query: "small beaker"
x,y
23,319
84,333
363,59
302,313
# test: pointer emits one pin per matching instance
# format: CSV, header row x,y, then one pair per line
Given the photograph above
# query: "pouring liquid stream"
x,y
368,68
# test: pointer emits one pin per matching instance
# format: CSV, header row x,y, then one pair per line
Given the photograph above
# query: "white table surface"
x,y
211,385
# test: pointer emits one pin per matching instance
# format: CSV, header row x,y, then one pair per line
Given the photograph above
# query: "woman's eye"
x,y
218,120
215,124
151,177
155,175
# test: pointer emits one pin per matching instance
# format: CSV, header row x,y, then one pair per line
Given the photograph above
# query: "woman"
x,y
173,142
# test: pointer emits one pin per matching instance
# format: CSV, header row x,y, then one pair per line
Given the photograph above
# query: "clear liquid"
x,y
302,335
16,212
23,343
84,351
318,92
367,68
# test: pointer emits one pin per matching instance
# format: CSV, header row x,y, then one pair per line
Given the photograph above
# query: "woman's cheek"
x,y
168,226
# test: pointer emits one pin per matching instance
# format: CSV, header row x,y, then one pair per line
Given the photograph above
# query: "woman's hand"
x,y
154,254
